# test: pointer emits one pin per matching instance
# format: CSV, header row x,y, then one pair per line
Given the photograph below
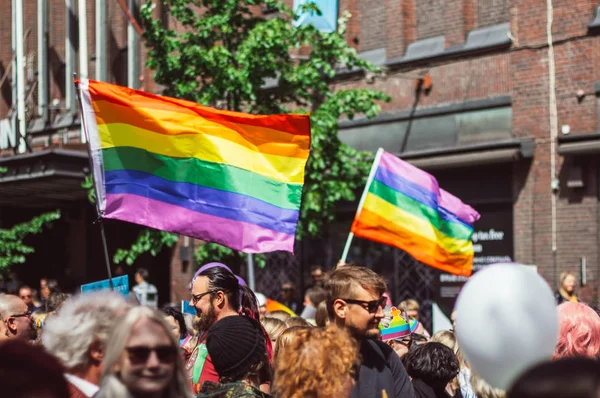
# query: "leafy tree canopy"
x,y
227,55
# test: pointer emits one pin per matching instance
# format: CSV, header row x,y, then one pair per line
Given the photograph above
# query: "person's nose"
x,y
379,313
152,361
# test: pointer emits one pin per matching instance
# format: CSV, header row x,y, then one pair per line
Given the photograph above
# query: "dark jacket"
x,y
381,370
424,390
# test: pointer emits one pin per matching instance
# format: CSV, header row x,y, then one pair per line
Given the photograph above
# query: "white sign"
x,y
8,136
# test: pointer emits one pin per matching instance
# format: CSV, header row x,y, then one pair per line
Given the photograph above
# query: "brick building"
x,y
472,103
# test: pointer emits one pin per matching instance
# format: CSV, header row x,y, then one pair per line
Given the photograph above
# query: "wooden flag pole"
x,y
99,220
362,202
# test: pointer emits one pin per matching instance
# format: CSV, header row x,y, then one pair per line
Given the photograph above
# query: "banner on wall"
x,y
492,243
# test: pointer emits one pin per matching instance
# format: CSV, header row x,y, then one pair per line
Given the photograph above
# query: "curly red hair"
x,y
317,363
579,331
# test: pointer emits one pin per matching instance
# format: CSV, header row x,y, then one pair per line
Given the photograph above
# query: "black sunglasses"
x,y
198,297
139,354
370,306
26,314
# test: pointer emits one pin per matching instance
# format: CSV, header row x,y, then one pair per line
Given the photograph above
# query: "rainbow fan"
x,y
398,328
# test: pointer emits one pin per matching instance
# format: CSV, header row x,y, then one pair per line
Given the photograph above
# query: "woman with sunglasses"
x,y
142,359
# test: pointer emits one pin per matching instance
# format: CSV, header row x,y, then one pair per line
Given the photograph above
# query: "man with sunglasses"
x,y
215,294
16,318
355,302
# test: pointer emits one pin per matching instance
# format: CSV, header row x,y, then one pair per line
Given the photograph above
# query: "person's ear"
x,y
219,299
97,352
11,325
340,308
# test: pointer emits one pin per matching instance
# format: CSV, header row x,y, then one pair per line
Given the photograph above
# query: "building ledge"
x,y
471,155
485,103
579,144
595,23
52,177
489,38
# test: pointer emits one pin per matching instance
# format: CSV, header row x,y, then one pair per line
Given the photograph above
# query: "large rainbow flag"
x,y
226,177
403,206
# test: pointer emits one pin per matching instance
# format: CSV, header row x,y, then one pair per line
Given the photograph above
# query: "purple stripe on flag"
x,y
237,235
409,172
413,174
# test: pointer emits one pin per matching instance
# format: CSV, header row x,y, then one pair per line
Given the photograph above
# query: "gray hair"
x,y
81,321
111,385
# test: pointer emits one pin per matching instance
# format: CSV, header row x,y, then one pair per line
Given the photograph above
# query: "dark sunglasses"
x,y
26,296
198,297
26,314
139,355
370,306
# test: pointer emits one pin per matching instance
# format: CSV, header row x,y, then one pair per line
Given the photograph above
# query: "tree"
x,y
223,59
12,249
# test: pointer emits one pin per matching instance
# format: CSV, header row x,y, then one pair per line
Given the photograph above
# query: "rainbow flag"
x,y
403,206
226,177
273,306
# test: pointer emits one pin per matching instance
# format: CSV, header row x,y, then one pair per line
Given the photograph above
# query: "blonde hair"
x,y
346,280
285,338
411,305
111,386
483,390
315,363
273,326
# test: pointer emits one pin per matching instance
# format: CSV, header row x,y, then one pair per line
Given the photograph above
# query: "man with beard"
x,y
355,302
216,294
16,318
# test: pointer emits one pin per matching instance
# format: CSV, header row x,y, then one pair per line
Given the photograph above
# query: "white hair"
x,y
82,320
111,385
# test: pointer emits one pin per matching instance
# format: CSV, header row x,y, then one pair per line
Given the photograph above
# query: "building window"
x,y
326,22
432,132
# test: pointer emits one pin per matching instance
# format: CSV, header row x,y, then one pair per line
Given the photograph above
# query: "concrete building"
x,y
504,120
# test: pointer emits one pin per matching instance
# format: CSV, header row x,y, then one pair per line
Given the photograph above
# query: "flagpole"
x,y
362,202
87,138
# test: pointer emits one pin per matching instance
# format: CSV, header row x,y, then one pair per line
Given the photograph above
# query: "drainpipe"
x,y
42,59
20,70
101,27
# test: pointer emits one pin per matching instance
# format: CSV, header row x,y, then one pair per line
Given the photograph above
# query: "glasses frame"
x,y
169,358
197,297
26,314
380,302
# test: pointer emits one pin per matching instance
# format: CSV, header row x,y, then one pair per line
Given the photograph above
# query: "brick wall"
x,y
372,24
430,18
492,12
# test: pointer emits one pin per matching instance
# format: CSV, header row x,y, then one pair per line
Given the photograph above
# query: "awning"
x,y
44,178
471,155
579,144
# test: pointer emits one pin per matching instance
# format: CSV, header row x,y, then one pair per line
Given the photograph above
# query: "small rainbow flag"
x,y
226,177
398,327
403,206
273,306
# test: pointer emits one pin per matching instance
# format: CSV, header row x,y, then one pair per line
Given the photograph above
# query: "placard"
x,y
120,283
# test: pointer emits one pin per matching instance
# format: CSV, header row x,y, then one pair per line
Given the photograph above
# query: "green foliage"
x,y
210,252
148,240
88,185
223,59
12,249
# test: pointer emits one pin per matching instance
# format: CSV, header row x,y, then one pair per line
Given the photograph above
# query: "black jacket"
x,y
381,370
424,390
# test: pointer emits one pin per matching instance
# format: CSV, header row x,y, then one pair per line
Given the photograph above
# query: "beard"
x,y
203,321
361,334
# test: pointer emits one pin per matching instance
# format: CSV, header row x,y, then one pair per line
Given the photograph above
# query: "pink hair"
x,y
579,331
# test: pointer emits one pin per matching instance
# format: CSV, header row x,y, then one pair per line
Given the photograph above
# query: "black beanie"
x,y
235,344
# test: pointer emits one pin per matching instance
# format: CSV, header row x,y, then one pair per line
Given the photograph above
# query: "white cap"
x,y
261,298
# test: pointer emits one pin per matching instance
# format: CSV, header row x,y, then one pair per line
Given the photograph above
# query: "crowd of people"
x,y
107,345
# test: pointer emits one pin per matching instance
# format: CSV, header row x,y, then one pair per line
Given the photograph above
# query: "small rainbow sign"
x,y
398,328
